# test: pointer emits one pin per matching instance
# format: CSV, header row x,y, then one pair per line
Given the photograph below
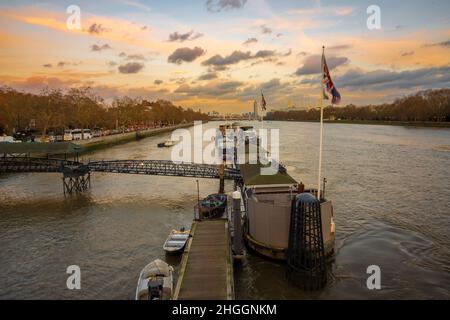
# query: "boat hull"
x,y
277,253
176,242
155,271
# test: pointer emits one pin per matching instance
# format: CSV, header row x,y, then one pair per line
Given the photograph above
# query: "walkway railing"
x,y
15,164
147,167
163,168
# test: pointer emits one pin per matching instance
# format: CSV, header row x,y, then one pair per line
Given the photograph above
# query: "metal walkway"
x,y
31,164
145,167
163,168
206,271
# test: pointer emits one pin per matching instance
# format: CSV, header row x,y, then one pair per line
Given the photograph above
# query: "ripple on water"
x,y
390,188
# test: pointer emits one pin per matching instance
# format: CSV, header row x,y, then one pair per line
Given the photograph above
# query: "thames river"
x,y
390,188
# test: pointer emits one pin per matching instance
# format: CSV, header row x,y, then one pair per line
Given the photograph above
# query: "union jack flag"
x,y
329,85
263,102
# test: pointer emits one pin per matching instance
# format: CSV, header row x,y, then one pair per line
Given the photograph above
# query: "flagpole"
x,y
321,127
262,113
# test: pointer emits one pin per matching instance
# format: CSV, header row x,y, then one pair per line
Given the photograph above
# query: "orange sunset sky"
x,y
220,54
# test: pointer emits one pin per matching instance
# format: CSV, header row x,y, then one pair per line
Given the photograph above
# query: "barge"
x,y
268,204
269,200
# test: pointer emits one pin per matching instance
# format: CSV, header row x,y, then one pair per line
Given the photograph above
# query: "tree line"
x,y
56,110
429,105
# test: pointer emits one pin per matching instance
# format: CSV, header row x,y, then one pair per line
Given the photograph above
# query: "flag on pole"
x,y
263,102
329,85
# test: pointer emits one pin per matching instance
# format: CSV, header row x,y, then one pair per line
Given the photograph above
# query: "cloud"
x,y
62,64
265,29
185,55
250,41
131,67
218,61
340,47
181,37
444,44
406,54
158,82
384,79
178,80
208,76
311,64
99,48
275,91
219,5
136,57
96,28
210,90
287,54
264,54
235,57
138,5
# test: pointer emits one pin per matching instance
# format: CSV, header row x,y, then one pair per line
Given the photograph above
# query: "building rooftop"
x,y
251,174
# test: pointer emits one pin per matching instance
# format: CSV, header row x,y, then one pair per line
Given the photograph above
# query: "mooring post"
x,y
237,225
222,178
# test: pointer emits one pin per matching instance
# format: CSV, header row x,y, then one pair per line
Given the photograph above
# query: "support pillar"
x,y
222,179
76,180
237,226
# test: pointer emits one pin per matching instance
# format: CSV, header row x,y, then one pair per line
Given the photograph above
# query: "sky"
x,y
220,54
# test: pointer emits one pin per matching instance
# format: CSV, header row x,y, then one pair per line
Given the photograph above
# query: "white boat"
x,y
169,143
7,139
166,144
155,282
176,241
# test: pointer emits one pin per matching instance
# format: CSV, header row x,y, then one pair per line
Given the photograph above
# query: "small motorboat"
x,y
166,144
176,241
155,282
213,206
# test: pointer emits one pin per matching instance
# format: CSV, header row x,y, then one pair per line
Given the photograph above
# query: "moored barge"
x,y
268,202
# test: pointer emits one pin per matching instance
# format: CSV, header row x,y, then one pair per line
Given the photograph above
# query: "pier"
x,y
206,271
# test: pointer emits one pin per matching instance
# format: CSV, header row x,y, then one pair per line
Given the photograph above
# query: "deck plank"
x,y
205,274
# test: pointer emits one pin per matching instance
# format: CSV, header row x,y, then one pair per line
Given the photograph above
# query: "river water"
x,y
390,187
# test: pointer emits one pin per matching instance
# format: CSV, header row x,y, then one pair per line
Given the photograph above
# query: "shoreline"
x,y
423,124
99,143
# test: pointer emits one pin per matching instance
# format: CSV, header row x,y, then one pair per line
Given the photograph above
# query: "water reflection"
x,y
390,187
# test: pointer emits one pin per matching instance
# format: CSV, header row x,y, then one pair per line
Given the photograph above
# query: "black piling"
x,y
76,180
306,265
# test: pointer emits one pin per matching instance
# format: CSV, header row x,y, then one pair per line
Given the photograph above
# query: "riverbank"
x,y
426,124
113,140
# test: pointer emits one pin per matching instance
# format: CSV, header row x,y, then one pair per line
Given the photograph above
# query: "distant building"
x,y
214,114
255,110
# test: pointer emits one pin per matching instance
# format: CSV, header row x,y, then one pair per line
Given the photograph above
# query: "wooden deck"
x,y
206,269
